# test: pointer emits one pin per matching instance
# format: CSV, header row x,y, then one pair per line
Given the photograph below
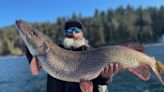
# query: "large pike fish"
x,y
74,66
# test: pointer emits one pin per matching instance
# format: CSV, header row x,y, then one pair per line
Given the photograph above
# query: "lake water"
x,y
15,76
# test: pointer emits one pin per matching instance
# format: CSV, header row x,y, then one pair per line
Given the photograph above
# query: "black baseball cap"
x,y
69,24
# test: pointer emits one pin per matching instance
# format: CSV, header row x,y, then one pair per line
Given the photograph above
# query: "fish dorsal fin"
x,y
142,71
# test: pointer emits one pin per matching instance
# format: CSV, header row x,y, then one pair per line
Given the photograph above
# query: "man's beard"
x,y
74,43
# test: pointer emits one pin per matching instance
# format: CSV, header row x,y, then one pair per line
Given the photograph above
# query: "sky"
x,y
49,10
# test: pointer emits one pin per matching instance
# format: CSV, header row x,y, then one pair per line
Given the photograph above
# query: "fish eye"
x,y
34,33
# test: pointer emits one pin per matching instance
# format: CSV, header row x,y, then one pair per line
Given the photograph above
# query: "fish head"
x,y
35,40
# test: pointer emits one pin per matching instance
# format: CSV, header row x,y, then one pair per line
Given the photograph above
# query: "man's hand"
x,y
110,71
34,66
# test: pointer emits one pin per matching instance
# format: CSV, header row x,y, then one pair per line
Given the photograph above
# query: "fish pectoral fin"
x,y
142,71
86,86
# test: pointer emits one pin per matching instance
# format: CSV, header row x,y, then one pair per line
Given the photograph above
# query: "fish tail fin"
x,y
159,67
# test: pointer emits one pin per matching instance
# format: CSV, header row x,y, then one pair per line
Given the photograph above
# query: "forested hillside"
x,y
144,25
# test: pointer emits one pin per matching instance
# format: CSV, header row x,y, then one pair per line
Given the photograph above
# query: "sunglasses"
x,y
77,30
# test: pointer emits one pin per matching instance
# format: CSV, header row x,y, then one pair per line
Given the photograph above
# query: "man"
x,y
74,40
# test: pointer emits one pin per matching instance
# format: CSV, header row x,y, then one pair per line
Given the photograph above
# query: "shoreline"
x,y
153,44
11,56
145,45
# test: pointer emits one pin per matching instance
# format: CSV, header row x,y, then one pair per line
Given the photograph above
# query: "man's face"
x,y
74,32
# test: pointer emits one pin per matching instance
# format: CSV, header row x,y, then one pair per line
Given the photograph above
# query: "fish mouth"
x,y
21,25
18,23
24,28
